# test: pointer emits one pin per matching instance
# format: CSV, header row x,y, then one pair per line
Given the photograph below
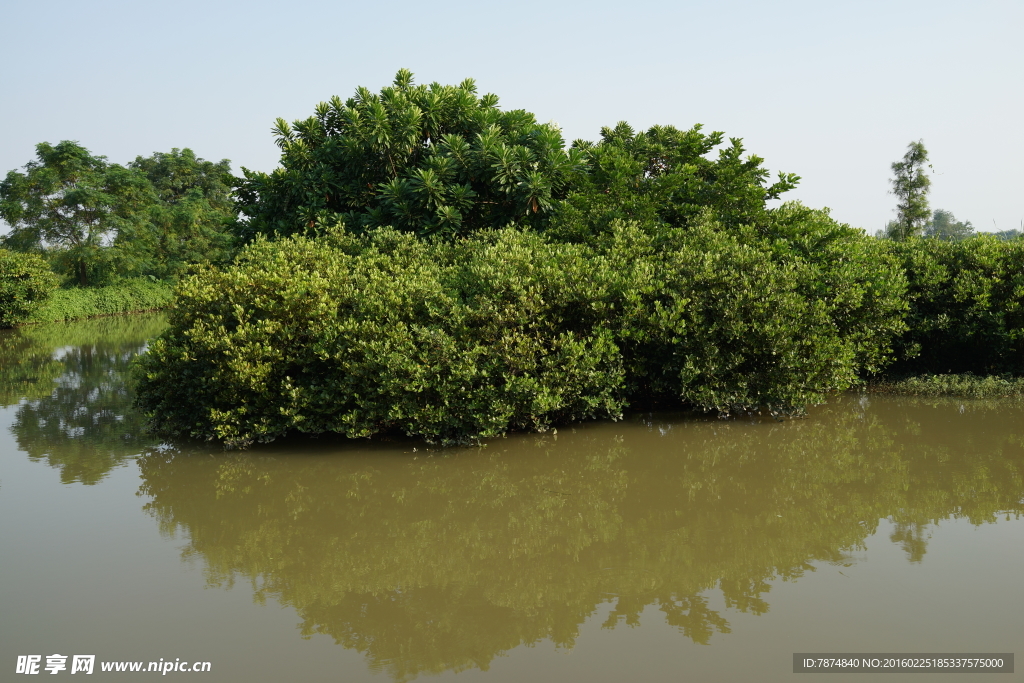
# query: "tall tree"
x,y
73,203
910,184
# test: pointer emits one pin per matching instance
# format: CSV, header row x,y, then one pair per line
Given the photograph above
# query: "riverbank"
x,y
965,385
128,296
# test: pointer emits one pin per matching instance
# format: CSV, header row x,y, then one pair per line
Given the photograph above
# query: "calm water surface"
x,y
661,548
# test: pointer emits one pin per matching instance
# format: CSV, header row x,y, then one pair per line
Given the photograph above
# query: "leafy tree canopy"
x,y
425,159
665,175
441,160
98,221
74,202
190,221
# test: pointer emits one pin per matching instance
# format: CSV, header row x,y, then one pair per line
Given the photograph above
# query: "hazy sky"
x,y
831,91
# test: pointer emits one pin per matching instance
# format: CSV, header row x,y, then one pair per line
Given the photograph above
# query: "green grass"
x,y
129,296
958,386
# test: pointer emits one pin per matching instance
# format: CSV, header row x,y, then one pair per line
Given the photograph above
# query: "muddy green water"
x,y
666,547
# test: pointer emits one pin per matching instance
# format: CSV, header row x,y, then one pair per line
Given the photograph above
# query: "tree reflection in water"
x,y
428,564
74,402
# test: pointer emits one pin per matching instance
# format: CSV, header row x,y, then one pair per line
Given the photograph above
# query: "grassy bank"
x,y
129,296
959,386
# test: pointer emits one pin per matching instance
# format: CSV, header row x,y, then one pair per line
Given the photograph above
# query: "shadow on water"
x,y
69,382
438,561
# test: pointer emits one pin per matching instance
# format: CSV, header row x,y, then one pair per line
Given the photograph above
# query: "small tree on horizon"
x,y
944,226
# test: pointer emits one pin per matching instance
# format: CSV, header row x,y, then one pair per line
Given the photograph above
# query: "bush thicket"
x,y
965,385
966,306
509,330
26,282
446,270
384,332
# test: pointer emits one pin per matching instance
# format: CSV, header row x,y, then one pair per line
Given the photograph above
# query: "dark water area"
x,y
662,547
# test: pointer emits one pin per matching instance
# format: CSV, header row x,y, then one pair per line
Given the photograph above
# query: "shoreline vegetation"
x,y
92,238
966,385
424,262
29,294
123,298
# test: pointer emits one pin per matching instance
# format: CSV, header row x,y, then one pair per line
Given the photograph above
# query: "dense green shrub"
x,y
966,306
127,296
446,341
507,330
737,321
26,282
960,386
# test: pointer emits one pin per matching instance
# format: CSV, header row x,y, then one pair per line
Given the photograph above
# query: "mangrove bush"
x,y
504,331
966,306
425,263
432,160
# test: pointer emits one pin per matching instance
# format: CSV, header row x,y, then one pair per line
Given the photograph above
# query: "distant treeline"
x,y
425,262
29,294
114,237
943,225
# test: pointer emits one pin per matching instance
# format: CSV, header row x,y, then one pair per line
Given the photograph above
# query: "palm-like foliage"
x,y
428,159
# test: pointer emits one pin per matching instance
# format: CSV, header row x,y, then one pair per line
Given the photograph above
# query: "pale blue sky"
x,y
830,91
